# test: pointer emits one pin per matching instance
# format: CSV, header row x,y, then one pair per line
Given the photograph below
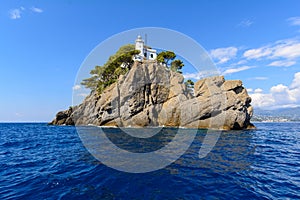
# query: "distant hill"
x,y
282,114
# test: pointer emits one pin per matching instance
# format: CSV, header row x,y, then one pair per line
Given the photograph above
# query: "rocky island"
x,y
149,93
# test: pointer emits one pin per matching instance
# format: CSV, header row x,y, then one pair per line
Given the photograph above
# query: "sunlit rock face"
x,y
152,95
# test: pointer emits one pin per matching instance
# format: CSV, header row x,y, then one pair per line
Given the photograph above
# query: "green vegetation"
x,y
189,83
118,64
176,66
166,56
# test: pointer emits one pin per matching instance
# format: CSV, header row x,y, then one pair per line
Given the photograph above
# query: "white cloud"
x,y
201,74
257,53
294,21
282,94
249,90
281,53
76,87
222,55
296,82
260,78
282,63
261,100
15,13
192,76
279,88
286,49
279,96
241,62
234,70
258,90
37,10
245,23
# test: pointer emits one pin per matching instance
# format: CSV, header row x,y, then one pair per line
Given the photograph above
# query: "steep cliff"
x,y
152,95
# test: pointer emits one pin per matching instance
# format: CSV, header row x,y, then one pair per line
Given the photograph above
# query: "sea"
x,y
38,161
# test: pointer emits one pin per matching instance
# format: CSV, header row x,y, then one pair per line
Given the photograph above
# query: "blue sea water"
x,y
50,162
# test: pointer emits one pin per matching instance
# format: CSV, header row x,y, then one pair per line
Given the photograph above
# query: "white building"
x,y
146,53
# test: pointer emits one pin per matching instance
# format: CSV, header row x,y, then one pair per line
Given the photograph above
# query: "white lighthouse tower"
x,y
139,45
146,53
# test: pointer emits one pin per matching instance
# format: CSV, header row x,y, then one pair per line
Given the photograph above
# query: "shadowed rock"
x,y
152,95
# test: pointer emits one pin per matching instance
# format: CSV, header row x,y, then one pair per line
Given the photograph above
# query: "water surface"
x,y
50,162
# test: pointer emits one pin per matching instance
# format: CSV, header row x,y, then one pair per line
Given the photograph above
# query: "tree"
x,y
189,83
126,59
165,56
117,64
92,82
177,65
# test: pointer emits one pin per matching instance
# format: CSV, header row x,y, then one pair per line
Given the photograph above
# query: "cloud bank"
x,y
279,96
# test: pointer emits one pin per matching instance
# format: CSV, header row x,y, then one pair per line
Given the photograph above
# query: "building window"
x,y
145,54
151,55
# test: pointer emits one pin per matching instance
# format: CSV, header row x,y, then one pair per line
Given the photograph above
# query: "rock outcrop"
x,y
152,95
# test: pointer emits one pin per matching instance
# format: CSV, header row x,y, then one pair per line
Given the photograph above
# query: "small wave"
x,y
42,162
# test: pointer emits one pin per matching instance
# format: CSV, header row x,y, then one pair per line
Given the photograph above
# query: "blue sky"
x,y
43,43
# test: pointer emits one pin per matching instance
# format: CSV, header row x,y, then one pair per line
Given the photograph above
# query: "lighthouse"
x,y
146,53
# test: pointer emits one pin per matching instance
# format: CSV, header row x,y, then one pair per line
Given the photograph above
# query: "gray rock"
x,y
152,95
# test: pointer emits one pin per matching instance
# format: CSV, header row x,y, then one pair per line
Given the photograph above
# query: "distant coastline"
x,y
277,115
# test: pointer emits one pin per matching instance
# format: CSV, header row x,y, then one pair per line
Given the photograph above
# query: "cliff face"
x,y
151,95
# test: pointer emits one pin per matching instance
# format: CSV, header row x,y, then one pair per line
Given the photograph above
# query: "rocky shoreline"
x,y
152,95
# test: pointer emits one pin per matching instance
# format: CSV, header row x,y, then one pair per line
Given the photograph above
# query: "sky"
x,y
44,43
